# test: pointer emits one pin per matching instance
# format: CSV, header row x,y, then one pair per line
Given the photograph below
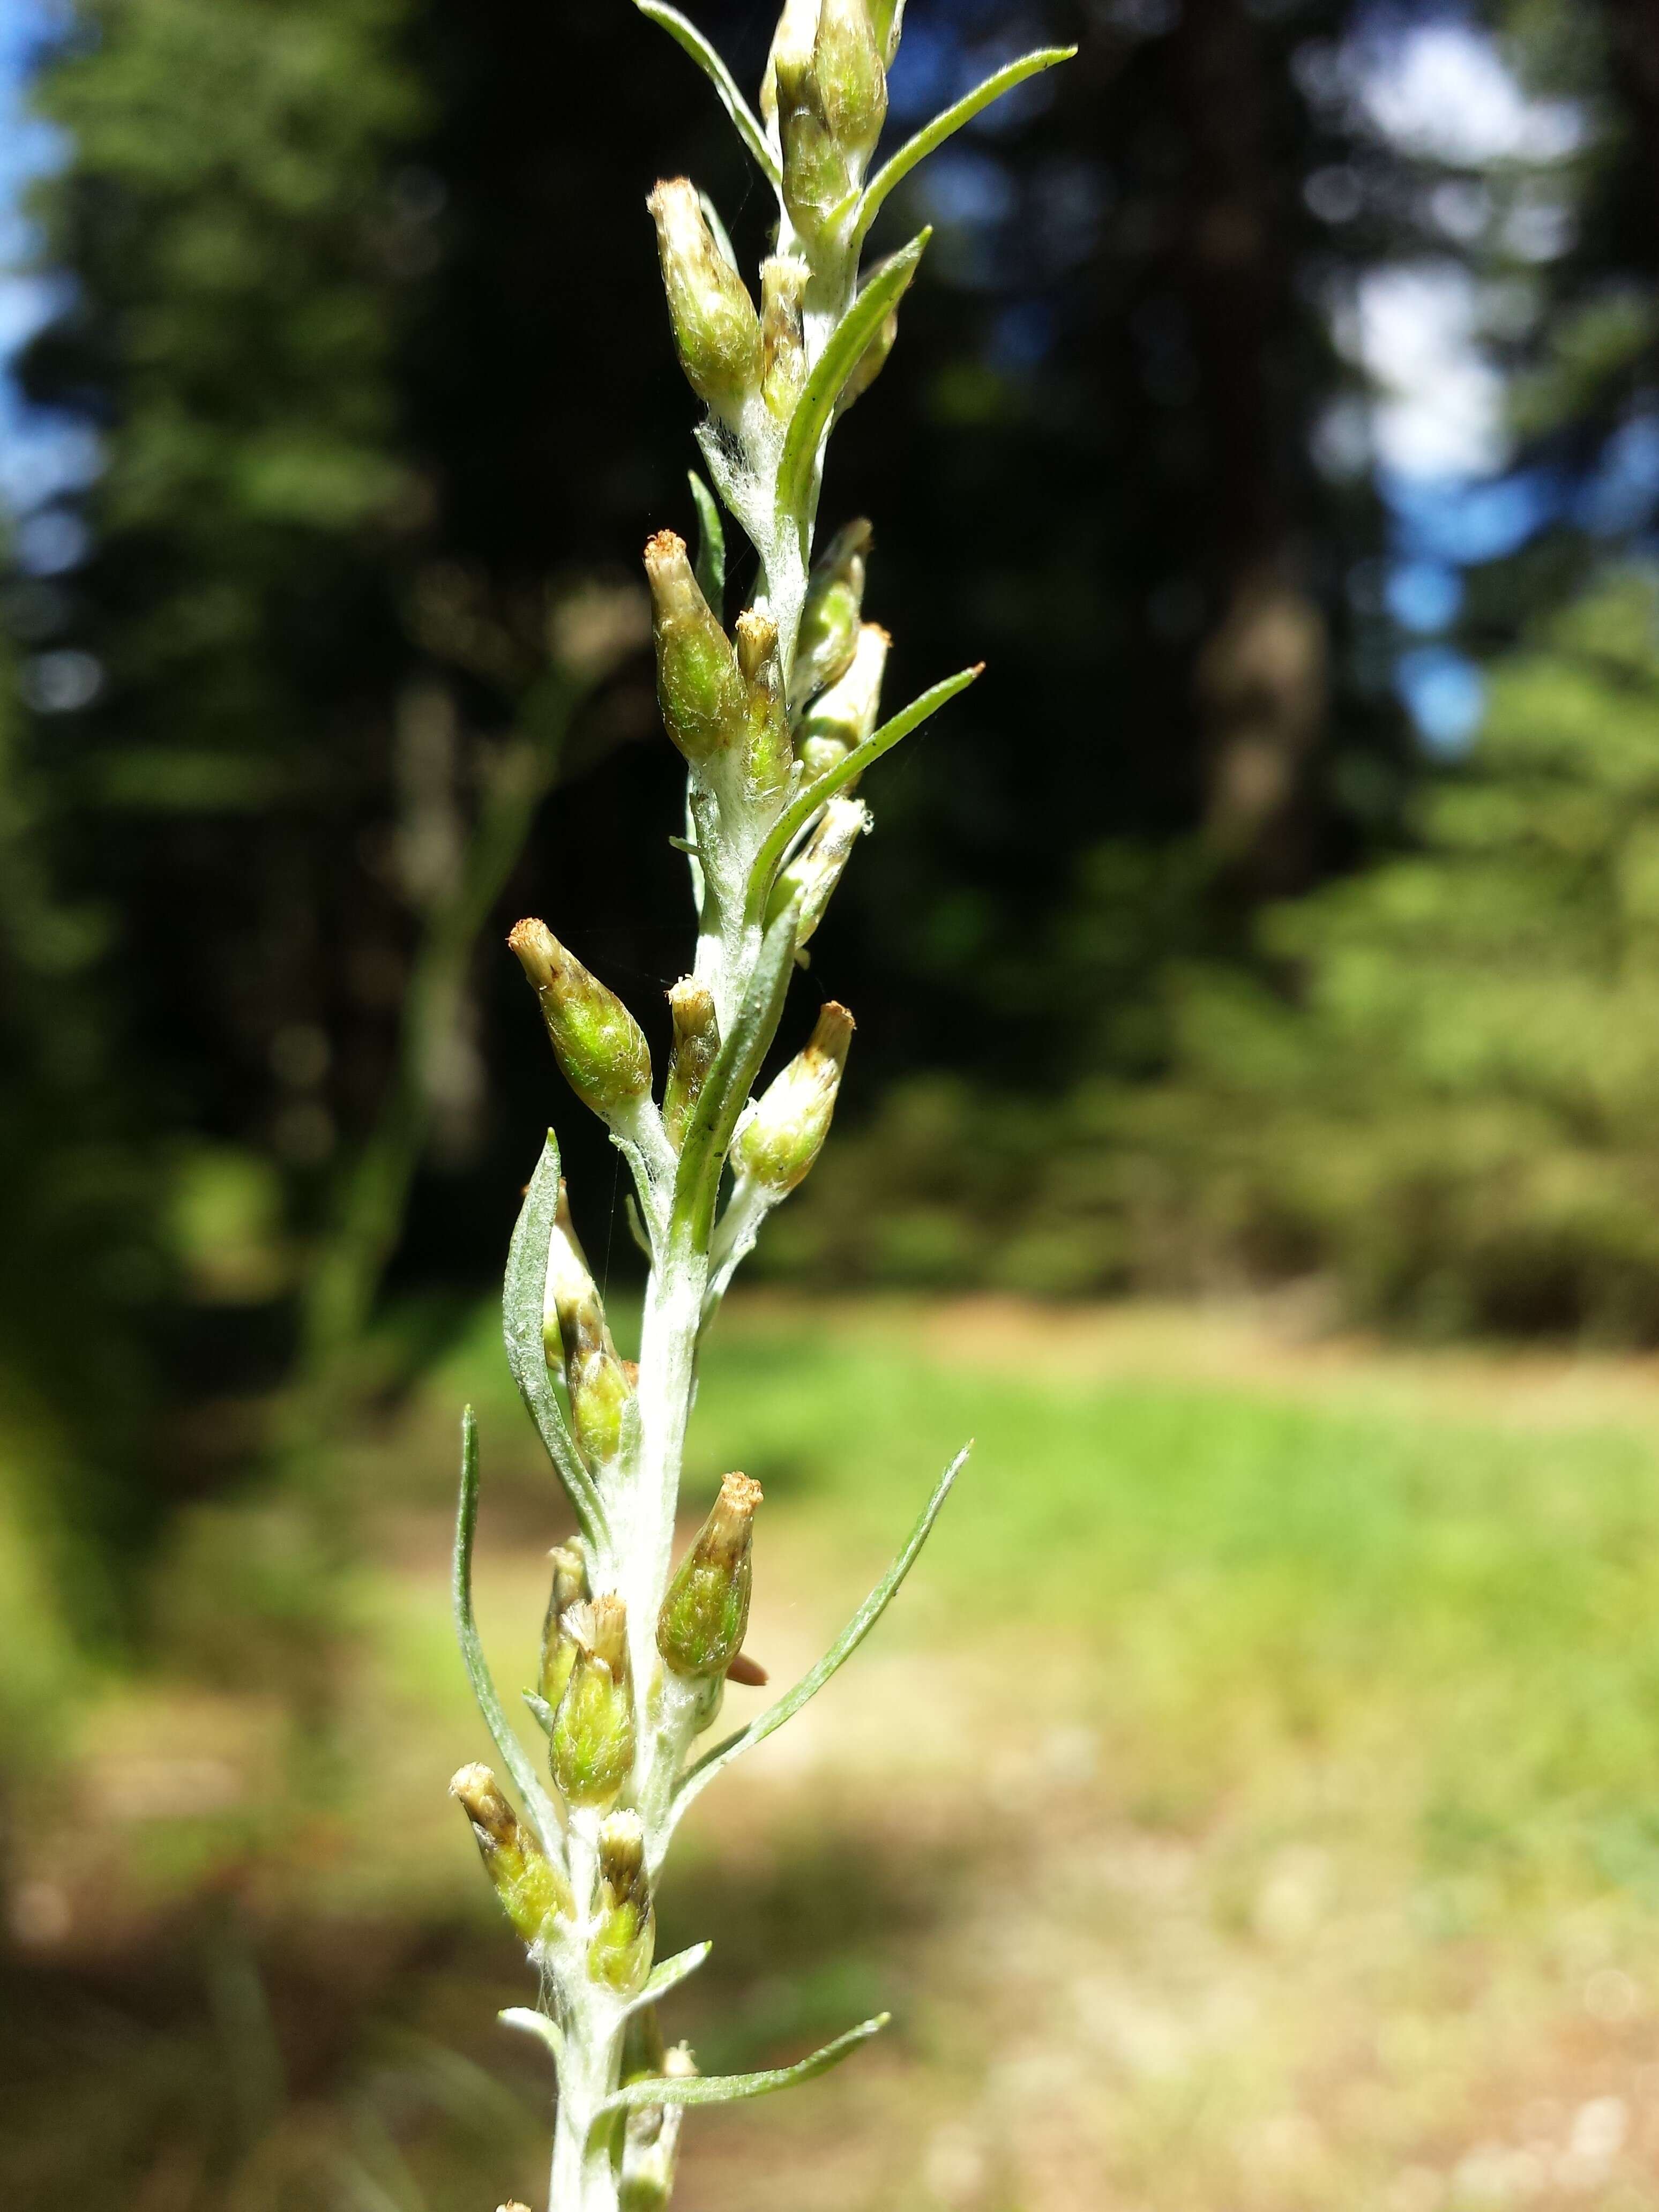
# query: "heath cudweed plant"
x,y
777,720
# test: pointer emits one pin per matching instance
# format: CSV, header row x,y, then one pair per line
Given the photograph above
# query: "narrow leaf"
x,y
537,2024
934,134
736,1066
522,1299
671,1972
711,546
840,356
515,1757
801,809
697,1778
742,116
732,2088
542,1712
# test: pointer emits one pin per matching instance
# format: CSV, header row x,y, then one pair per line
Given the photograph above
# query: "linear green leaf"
x,y
522,1299
537,2024
736,1066
732,2088
840,356
709,61
800,809
934,134
710,564
697,1778
515,1757
671,1972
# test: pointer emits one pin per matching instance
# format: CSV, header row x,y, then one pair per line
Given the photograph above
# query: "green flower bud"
x,y
531,1889
651,2136
619,1955
850,78
700,1627
558,1646
700,688
828,633
592,1747
597,1042
825,89
845,715
696,1042
769,756
776,1147
579,1345
783,292
812,875
716,331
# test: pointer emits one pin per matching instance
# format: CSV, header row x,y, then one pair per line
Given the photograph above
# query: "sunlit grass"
x,y
1265,1761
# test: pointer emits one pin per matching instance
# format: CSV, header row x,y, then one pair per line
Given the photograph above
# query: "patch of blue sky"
x,y
1445,694
1621,497
946,52
42,454
1458,522
1422,595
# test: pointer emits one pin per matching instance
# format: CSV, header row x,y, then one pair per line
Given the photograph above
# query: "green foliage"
x,y
1442,1091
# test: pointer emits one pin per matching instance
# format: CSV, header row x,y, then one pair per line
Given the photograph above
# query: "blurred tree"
x,y
369,345
1454,1119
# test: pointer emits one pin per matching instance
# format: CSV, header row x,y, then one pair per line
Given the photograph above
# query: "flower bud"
x,y
783,292
597,1042
851,78
700,1629
697,1041
829,632
845,715
716,331
620,1953
826,88
574,1333
817,176
531,1887
776,1147
699,685
812,875
651,2138
558,1645
769,754
592,1747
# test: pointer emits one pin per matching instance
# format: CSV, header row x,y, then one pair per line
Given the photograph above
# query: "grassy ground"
x,y
1253,1801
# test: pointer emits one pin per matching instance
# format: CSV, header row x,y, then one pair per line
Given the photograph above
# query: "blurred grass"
x,y
1251,1800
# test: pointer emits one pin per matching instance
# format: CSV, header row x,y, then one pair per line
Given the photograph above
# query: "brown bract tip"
x,y
537,950
748,1672
832,1032
665,545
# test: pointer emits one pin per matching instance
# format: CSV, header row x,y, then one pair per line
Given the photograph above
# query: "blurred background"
x,y
1252,1136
